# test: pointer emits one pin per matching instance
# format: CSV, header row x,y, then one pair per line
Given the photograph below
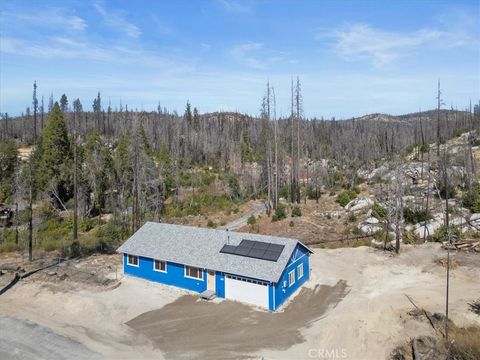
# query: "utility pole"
x,y
30,209
449,243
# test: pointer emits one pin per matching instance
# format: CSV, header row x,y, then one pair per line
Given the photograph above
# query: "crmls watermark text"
x,y
332,353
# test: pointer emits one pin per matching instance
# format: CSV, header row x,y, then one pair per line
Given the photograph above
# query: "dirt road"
x,y
258,208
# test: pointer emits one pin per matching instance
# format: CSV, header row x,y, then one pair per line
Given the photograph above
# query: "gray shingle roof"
x,y
200,247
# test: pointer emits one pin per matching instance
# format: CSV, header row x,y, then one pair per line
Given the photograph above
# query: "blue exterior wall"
x,y
175,274
220,284
300,256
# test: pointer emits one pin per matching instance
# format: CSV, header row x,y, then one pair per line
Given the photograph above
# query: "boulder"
x,y
431,226
372,220
358,204
475,217
409,227
369,229
459,221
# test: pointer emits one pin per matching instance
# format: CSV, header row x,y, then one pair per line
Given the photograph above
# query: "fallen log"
x,y
27,274
10,284
415,350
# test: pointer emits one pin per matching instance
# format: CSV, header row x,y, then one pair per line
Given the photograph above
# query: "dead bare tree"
x,y
275,136
439,104
399,181
35,109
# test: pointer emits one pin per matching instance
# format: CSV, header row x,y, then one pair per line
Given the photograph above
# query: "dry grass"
x,y
465,343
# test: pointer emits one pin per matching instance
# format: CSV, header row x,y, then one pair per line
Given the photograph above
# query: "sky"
x,y
352,57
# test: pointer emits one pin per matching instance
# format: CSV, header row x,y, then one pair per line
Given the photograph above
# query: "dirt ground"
x,y
322,221
354,307
237,330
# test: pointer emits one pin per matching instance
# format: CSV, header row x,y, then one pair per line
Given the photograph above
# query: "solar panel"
x,y
247,243
256,253
255,249
240,250
228,249
260,245
275,247
271,255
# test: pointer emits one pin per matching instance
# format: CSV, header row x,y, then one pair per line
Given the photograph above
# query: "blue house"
x,y
256,269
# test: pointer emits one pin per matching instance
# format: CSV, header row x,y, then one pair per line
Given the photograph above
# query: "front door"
x,y
211,280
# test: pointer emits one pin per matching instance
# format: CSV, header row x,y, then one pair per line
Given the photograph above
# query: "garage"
x,y
246,290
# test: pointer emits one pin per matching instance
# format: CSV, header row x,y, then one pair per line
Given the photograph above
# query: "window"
x,y
300,271
291,278
193,272
132,260
160,265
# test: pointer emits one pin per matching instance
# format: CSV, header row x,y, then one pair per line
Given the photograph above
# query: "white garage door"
x,y
246,290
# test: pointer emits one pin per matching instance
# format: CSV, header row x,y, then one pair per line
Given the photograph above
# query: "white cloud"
x,y
243,54
361,41
51,18
115,19
61,47
205,46
233,6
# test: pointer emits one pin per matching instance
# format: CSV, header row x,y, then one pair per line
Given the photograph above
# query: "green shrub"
x,y
313,193
47,212
85,225
383,235
211,224
251,220
296,211
416,216
284,191
280,212
441,234
356,189
351,218
471,199
346,196
452,190
291,223
379,212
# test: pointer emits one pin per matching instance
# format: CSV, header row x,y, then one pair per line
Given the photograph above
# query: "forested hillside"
x,y
134,166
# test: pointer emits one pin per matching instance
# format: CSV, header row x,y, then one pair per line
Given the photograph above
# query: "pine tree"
x,y
188,113
55,157
64,103
196,118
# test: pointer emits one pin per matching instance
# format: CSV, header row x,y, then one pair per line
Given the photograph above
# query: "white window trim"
x,y
158,270
130,264
191,277
290,277
300,271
